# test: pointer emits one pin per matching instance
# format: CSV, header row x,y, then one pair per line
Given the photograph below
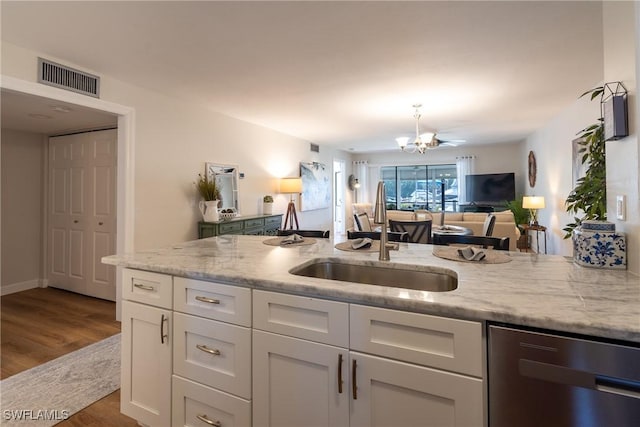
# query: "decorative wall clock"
x,y
533,169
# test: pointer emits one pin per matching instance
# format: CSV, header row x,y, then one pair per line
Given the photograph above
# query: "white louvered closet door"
x,y
82,212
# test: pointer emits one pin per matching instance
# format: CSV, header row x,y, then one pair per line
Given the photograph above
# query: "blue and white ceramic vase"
x,y
596,244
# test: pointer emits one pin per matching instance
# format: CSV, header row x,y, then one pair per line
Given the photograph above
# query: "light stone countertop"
x,y
544,291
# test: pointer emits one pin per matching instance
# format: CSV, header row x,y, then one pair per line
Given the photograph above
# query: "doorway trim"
x,y
125,162
339,197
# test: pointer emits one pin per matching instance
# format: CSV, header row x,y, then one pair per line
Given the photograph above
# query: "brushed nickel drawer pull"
x,y
206,349
144,287
205,419
209,300
340,373
162,334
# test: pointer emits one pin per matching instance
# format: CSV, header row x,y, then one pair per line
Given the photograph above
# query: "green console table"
x,y
256,225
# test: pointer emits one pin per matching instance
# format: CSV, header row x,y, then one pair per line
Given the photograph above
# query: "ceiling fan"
x,y
424,141
448,142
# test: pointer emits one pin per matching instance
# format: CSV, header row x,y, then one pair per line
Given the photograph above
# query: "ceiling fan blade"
x,y
450,142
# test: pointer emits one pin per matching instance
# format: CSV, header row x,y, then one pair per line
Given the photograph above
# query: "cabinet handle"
x,y
206,349
209,300
205,419
162,334
144,287
75,221
340,373
353,380
100,223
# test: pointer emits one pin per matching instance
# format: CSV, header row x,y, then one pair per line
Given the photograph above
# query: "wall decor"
x,y
226,177
316,186
533,169
613,105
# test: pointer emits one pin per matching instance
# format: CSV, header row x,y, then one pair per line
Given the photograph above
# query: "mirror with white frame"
x,y
226,177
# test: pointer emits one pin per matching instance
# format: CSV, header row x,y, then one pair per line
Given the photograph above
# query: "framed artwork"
x,y
316,186
578,168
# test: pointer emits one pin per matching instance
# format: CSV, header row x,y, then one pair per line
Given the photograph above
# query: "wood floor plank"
x,y
39,325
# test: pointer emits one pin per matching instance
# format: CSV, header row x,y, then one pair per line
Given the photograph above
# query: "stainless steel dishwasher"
x,y
539,379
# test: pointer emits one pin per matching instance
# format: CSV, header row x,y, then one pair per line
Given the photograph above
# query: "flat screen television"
x,y
490,188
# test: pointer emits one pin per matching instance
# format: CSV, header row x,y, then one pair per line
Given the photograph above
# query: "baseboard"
x,y
20,286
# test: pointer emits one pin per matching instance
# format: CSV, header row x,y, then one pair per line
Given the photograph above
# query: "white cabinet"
x,y
213,353
392,393
180,367
298,382
204,353
198,405
146,364
430,372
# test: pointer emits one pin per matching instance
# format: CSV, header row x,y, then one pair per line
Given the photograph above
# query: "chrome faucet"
x,y
380,217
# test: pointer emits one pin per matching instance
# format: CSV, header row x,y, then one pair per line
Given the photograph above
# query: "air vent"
x,y
63,77
314,147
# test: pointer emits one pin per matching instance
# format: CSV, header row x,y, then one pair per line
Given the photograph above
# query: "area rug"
x,y
52,392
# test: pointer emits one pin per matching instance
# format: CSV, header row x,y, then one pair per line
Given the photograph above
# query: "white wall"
x,y
552,144
493,158
22,195
620,55
173,140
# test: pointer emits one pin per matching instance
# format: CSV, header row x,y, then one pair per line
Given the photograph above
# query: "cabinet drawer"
x,y
191,400
273,221
147,287
230,227
213,300
214,353
252,223
440,342
302,317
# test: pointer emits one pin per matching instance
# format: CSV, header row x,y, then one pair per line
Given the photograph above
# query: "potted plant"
x,y
520,216
267,205
590,194
209,190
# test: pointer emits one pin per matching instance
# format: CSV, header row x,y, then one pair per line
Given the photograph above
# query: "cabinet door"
x,y
295,382
146,364
391,393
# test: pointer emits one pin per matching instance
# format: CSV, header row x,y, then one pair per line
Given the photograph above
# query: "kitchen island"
x,y
218,331
544,291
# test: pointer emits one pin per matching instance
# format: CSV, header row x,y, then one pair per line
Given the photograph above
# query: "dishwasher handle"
x,y
574,377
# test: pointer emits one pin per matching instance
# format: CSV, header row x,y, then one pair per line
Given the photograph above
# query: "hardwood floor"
x,y
42,324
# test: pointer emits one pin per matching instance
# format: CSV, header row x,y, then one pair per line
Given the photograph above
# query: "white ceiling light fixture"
x,y
422,142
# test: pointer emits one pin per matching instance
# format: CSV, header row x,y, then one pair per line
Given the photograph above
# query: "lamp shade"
x,y
402,141
533,202
290,185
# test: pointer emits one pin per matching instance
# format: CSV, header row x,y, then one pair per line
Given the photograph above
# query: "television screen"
x,y
491,188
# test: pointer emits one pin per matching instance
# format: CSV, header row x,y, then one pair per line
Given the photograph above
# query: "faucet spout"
x,y
380,217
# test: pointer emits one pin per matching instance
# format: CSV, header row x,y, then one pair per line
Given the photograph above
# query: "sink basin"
x,y
421,278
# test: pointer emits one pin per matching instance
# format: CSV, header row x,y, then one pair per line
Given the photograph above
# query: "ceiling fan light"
x,y
427,136
402,141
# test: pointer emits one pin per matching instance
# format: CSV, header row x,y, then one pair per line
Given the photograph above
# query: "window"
x,y
432,187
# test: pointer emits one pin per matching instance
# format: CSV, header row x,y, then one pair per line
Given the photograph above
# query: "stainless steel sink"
x,y
422,278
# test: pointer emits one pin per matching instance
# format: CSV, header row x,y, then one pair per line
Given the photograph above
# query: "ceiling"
x,y
339,73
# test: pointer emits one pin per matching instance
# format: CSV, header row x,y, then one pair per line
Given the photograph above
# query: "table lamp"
x,y
533,203
291,186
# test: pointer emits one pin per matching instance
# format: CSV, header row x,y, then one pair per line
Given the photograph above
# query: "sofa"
x,y
505,225
367,208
